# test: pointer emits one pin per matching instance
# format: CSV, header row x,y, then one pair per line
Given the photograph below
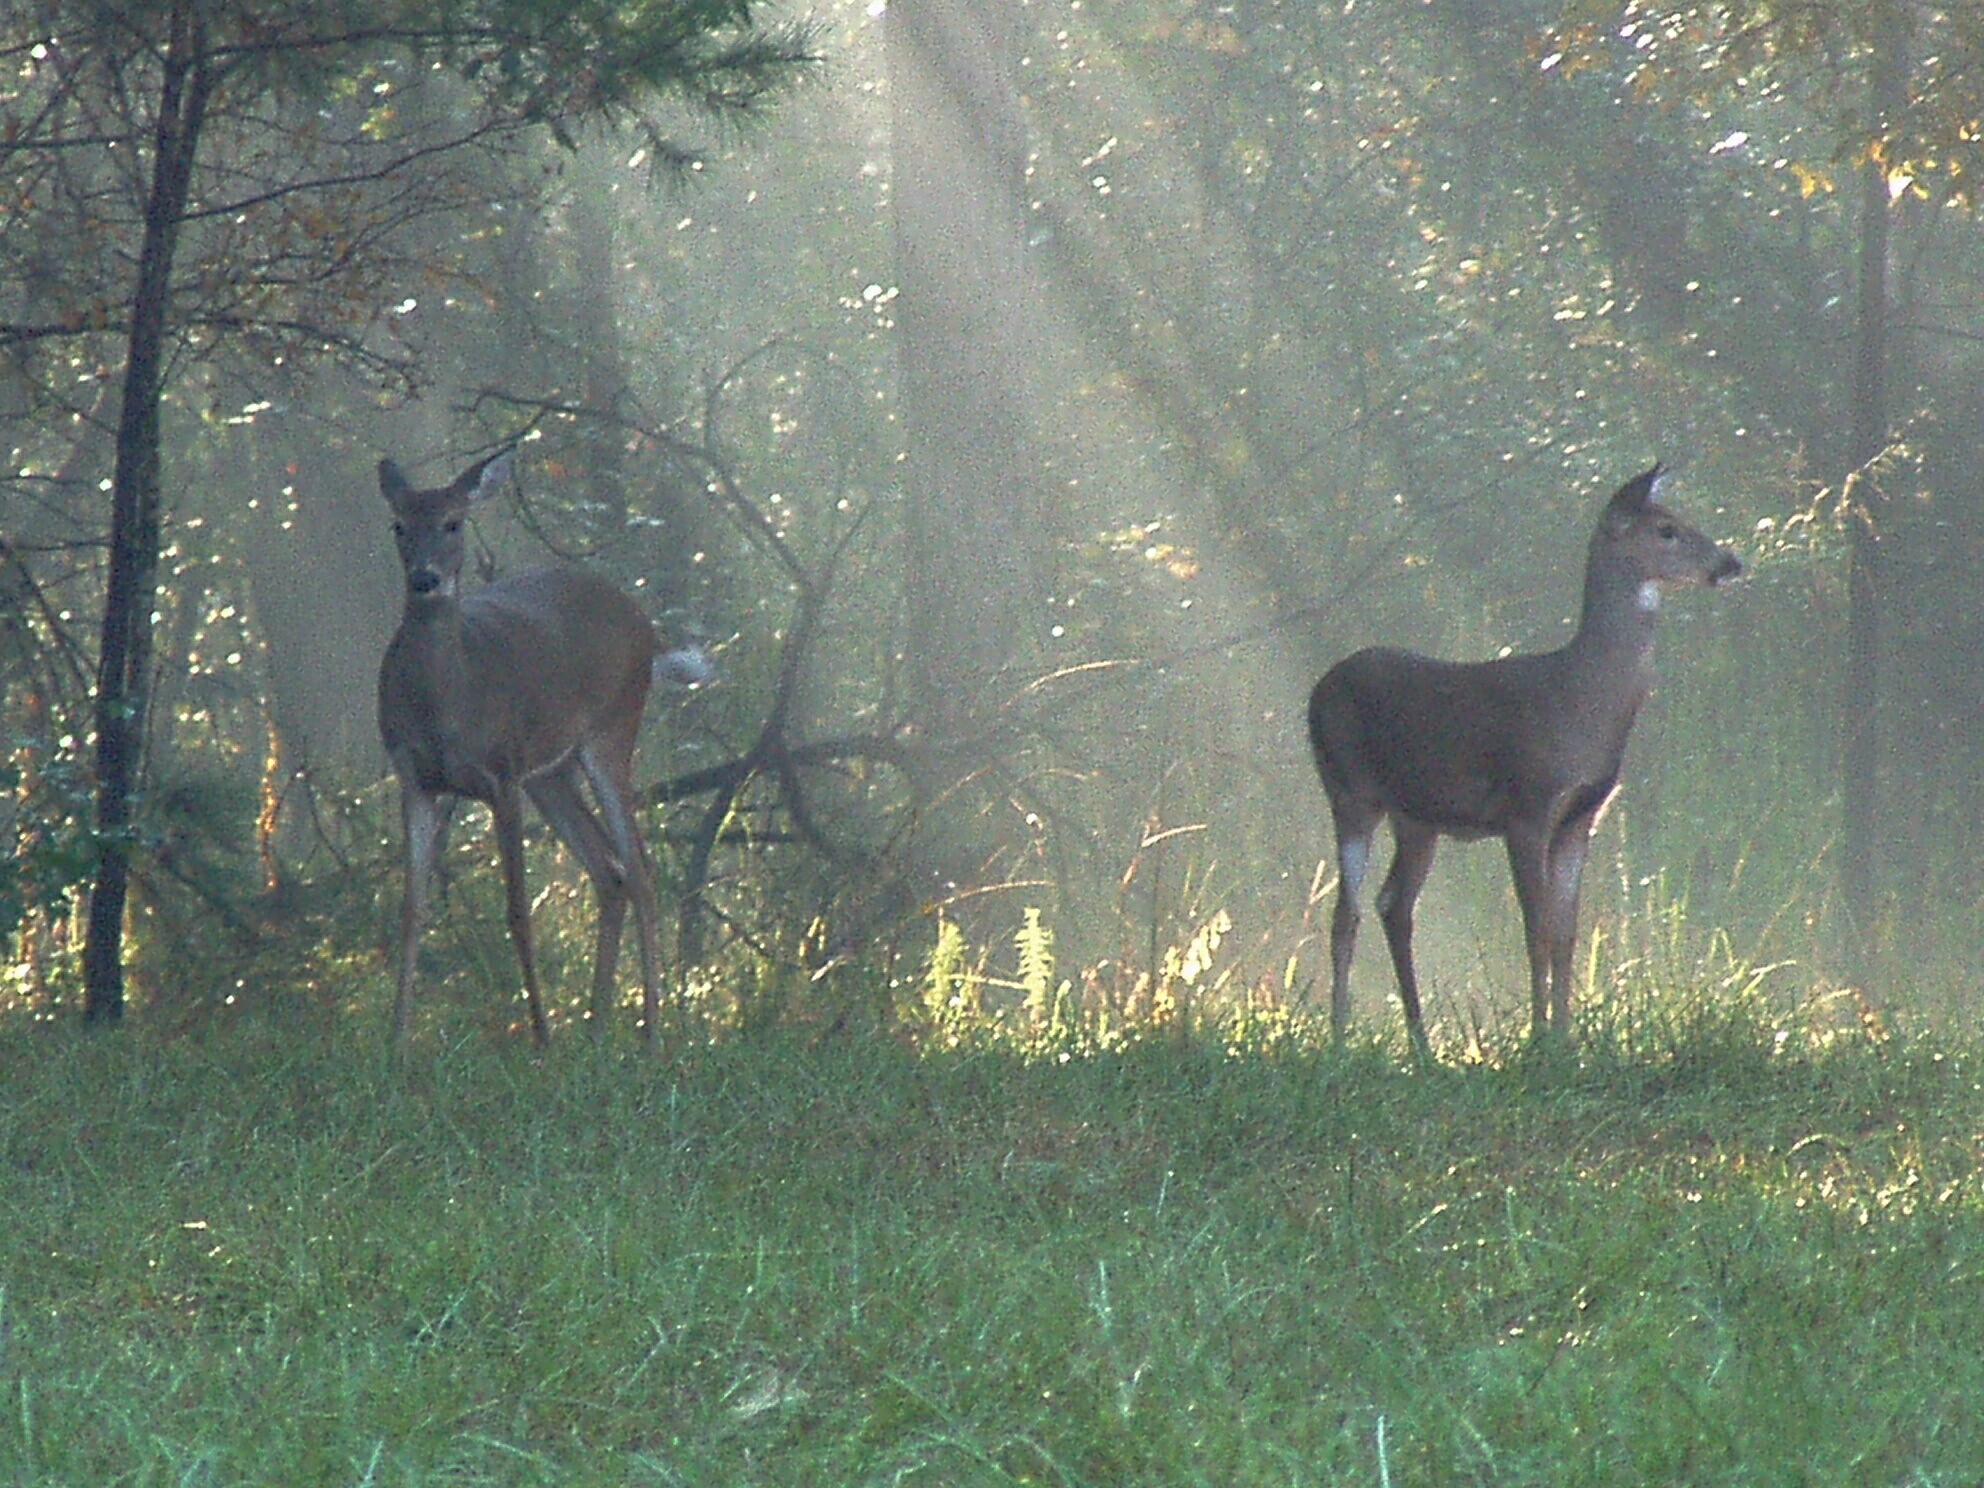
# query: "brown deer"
x,y
1525,748
520,688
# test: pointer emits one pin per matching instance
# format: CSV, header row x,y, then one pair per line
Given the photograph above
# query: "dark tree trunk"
x,y
123,667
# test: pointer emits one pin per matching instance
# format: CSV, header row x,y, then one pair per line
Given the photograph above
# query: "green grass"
x,y
234,1260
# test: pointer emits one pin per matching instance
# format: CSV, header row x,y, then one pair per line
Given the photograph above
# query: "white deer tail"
x,y
684,666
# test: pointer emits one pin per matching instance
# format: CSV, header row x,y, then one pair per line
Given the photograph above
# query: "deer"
x,y
1527,748
527,686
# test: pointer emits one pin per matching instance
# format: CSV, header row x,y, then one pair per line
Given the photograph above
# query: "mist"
x,y
1024,413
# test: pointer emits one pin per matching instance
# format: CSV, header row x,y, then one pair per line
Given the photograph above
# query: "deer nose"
x,y
423,580
1727,567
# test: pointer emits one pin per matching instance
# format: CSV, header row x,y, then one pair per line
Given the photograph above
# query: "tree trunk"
x,y
605,377
123,667
965,359
1860,824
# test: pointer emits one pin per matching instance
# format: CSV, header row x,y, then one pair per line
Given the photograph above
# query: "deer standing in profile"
x,y
523,687
1525,748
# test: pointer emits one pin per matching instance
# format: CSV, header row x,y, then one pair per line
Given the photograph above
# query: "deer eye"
x,y
1668,532
452,526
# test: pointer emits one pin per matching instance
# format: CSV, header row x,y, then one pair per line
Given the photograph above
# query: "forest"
x,y
1023,407
1004,411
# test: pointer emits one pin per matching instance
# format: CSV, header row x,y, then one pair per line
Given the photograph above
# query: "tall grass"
x,y
1705,1253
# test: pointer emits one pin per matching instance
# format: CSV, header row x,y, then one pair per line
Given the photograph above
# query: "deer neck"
x,y
1613,648
430,653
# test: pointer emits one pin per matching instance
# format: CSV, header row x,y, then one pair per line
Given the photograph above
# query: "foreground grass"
x,y
232,1261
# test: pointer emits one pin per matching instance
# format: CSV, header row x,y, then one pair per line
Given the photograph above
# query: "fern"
x,y
1184,967
1036,948
949,984
1050,1002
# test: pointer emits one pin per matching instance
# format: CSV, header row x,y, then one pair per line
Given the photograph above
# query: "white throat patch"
x,y
1649,595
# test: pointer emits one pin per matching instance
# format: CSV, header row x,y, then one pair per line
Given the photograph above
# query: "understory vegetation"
x,y
1731,1240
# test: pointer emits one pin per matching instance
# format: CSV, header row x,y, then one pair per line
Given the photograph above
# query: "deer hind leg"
x,y
558,797
610,769
506,805
1412,860
1353,858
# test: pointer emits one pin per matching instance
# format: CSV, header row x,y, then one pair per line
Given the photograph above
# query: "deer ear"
x,y
1636,493
393,484
486,479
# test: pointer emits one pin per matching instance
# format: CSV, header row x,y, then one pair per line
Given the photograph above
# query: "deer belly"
x,y
434,769
1465,808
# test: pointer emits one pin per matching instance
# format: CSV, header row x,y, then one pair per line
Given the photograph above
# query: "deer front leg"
x,y
1412,859
1568,851
1529,864
506,805
423,825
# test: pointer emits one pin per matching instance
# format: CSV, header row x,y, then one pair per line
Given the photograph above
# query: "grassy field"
x,y
230,1260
